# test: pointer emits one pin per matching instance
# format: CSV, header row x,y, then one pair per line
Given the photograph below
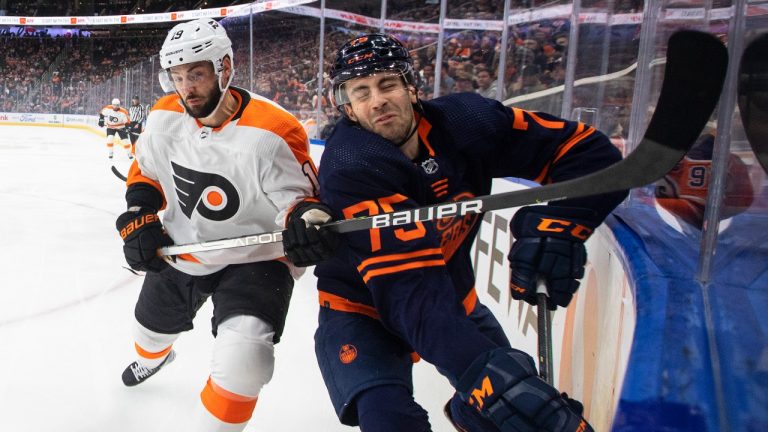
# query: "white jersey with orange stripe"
x,y
237,179
115,118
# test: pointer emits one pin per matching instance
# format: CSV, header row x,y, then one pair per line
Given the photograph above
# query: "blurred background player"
x,y
116,118
221,162
137,115
391,294
683,191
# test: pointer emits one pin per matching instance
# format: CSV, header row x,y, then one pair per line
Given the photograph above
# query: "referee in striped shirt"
x,y
138,115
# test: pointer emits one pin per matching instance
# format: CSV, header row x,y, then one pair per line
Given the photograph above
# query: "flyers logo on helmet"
x,y
211,195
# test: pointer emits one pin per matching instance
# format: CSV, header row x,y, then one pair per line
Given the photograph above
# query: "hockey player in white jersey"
x,y
116,118
221,162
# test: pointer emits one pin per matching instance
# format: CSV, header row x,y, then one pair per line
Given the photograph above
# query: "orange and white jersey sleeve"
x,y
289,176
115,118
238,179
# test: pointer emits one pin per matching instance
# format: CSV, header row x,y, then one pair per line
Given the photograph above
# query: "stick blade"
x,y
753,96
118,174
688,99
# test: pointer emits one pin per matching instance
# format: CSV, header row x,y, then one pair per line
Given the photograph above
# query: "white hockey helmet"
x,y
116,102
203,39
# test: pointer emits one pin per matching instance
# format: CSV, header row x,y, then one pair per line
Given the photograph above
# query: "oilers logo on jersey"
x,y
212,195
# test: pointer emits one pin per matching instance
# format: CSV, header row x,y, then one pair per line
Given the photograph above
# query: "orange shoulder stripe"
x,y
168,103
563,148
264,115
549,124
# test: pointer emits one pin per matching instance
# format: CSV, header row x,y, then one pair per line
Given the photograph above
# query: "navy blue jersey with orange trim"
x,y
465,141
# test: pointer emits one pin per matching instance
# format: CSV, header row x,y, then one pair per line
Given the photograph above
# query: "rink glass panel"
x,y
470,45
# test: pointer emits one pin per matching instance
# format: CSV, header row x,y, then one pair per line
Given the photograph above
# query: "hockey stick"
x,y
753,96
118,174
546,367
693,77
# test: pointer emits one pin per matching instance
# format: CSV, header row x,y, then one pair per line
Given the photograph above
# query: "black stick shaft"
x,y
546,368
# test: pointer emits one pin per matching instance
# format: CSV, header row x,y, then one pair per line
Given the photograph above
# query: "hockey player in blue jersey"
x,y
390,295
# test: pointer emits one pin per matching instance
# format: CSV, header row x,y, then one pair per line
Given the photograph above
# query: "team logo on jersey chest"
x,y
211,195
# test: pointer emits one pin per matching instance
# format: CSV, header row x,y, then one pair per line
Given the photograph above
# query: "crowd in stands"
x,y
40,73
54,74
106,7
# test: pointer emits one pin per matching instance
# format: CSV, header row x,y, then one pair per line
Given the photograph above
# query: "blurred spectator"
x,y
561,42
486,84
531,81
56,84
683,191
463,84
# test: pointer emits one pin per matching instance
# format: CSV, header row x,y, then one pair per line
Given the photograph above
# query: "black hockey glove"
x,y
518,399
549,245
143,235
101,121
304,244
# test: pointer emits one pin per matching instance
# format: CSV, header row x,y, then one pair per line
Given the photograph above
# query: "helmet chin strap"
x,y
223,89
414,128
417,109
221,98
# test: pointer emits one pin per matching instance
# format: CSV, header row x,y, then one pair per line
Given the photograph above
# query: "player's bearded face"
x,y
198,86
381,103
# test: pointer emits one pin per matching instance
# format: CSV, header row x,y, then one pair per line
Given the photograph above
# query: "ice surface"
x,y
66,308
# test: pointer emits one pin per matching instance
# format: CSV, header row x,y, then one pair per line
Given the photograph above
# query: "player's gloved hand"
x,y
550,245
143,235
101,122
304,244
519,400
